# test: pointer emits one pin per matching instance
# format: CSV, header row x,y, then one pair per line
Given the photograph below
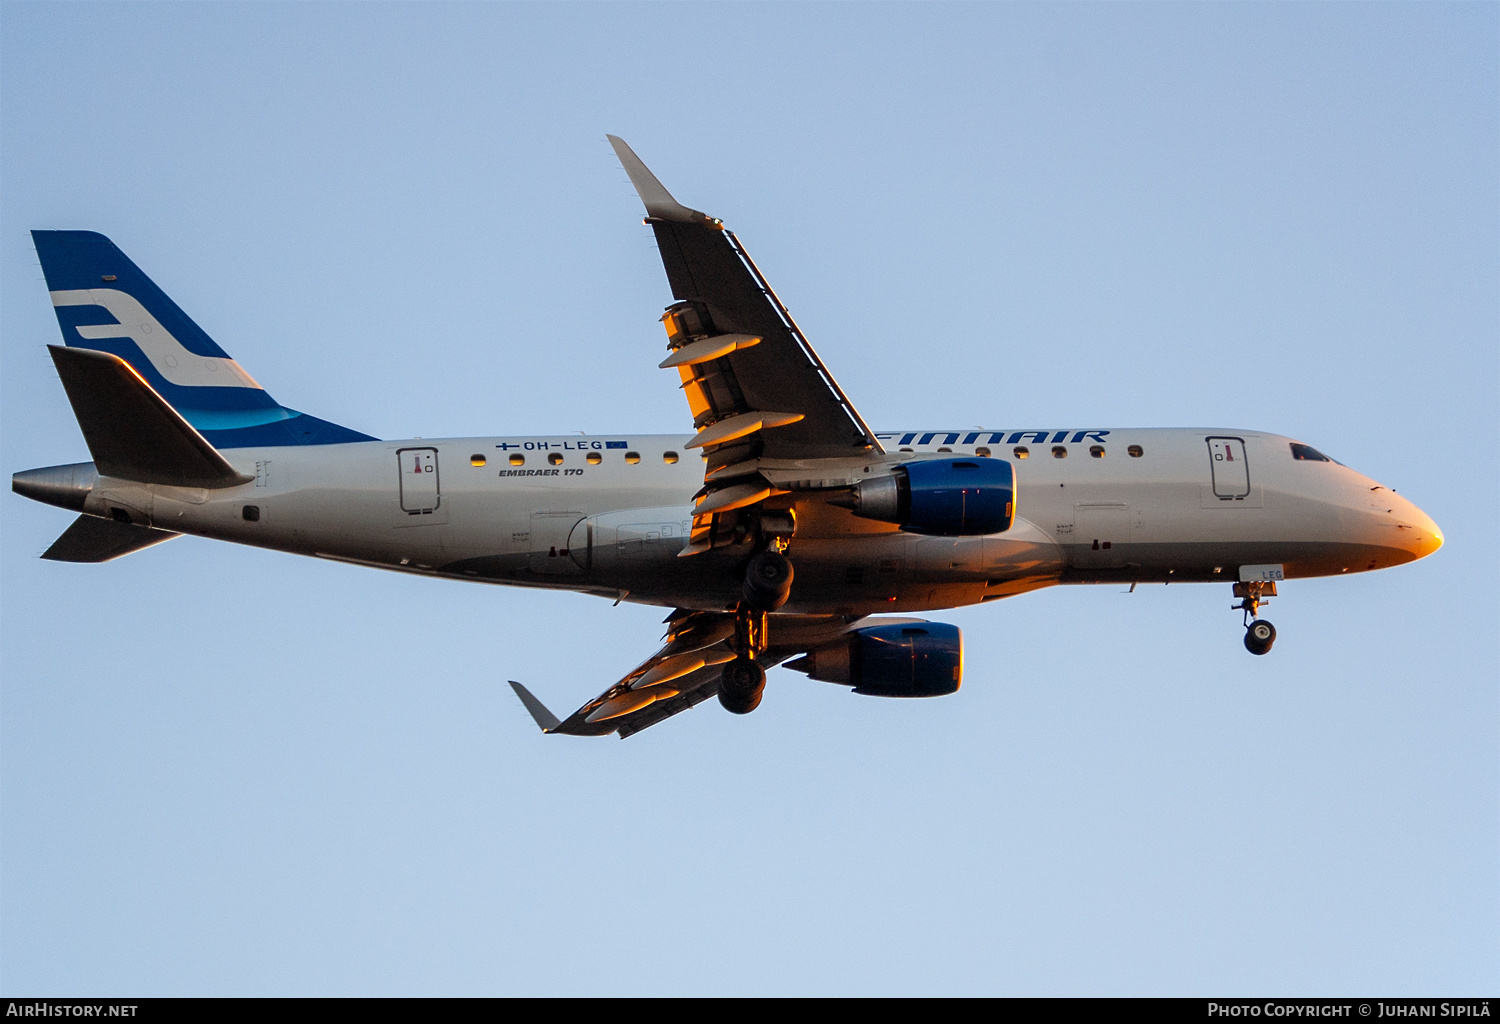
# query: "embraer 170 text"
x,y
779,529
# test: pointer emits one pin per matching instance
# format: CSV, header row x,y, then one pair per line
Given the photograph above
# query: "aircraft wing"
x,y
757,390
685,672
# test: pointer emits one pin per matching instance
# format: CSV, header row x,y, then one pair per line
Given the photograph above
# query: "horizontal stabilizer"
x,y
131,431
544,718
91,539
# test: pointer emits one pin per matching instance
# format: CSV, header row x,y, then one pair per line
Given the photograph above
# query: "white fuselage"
x,y
609,515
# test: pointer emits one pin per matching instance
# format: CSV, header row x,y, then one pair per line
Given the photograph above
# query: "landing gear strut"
x,y
742,681
766,585
1259,634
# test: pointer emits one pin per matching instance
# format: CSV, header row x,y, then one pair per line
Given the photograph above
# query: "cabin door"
x,y
418,469
1231,473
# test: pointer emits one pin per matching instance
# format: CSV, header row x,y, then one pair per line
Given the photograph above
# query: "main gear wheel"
x,y
741,684
768,580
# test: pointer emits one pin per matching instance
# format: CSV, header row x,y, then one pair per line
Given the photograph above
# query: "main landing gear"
x,y
1259,634
742,681
768,583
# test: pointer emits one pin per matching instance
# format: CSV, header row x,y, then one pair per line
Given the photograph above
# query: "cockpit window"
x,y
1307,453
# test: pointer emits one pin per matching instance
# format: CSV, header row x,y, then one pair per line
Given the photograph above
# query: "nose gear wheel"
x,y
1259,637
1259,634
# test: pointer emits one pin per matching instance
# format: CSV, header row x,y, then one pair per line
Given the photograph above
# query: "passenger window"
x,y
945,449
632,457
669,457
250,513
518,459
1059,452
476,460
1021,453
982,452
1135,451
1096,450
555,458
1307,453
594,458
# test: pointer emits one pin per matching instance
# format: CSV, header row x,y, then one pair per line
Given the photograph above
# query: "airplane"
x,y
781,531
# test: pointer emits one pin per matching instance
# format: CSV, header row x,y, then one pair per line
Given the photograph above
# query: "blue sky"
x,y
232,771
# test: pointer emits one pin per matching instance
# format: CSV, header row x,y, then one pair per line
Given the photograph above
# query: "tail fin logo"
x,y
168,355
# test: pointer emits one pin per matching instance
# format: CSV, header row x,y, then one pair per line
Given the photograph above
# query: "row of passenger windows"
x,y
592,458
1301,452
1059,451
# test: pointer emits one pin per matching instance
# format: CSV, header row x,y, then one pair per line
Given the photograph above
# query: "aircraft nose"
x,y
1429,536
1420,535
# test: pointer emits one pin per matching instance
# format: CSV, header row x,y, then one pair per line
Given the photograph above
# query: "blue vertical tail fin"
x,y
105,303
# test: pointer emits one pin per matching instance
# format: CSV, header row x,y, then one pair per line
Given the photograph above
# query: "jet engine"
x,y
904,659
946,497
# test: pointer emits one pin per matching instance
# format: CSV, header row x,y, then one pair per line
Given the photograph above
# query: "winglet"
x,y
544,718
659,202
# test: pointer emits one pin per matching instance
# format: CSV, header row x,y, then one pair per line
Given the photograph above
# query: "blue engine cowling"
x,y
908,659
946,497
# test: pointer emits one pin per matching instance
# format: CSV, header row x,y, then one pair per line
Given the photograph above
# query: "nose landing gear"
x,y
1259,634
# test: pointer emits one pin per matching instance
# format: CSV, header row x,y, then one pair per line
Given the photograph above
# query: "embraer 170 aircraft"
x,y
779,529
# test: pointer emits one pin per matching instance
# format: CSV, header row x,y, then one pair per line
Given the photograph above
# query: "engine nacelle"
x,y
906,659
946,497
